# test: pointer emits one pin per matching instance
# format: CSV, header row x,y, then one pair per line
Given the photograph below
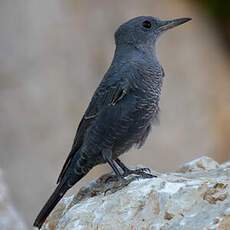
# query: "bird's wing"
x,y
106,94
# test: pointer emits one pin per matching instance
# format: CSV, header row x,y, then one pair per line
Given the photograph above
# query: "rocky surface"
x,y
9,218
195,197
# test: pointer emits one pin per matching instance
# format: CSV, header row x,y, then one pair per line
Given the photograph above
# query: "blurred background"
x,y
54,53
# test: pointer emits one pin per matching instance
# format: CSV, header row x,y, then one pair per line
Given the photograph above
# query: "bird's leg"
x,y
117,182
143,172
107,155
122,166
114,167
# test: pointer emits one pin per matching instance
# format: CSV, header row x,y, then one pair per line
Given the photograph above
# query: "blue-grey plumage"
x,y
123,107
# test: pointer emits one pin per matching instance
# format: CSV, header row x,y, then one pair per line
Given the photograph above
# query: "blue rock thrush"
x,y
123,107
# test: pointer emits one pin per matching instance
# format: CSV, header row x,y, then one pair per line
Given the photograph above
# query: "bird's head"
x,y
144,30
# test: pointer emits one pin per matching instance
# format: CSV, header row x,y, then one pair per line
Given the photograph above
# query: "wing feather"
x,y
104,96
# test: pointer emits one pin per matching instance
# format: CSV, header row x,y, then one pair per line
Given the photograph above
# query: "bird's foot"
x,y
116,182
141,172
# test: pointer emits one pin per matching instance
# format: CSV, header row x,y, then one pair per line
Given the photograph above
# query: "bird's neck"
x,y
134,53
139,59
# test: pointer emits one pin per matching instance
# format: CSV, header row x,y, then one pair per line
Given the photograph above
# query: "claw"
x,y
146,175
142,172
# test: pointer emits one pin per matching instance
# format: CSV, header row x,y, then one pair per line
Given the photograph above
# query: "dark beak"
x,y
168,24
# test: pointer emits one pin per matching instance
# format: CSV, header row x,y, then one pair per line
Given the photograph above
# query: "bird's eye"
x,y
147,24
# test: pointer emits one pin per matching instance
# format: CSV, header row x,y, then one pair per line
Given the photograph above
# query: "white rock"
x,y
200,164
226,164
188,200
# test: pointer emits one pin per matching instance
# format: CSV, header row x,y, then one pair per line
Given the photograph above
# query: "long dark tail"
x,y
50,204
65,183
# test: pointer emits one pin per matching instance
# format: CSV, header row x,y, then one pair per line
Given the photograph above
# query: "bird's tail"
x,y
50,204
65,183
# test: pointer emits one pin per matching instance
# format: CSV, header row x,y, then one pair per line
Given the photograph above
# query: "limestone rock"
x,y
192,199
9,218
202,163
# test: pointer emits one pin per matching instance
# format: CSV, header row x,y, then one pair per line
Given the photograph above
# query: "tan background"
x,y
53,55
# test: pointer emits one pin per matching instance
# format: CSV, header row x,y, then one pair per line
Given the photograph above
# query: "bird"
x,y
122,110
